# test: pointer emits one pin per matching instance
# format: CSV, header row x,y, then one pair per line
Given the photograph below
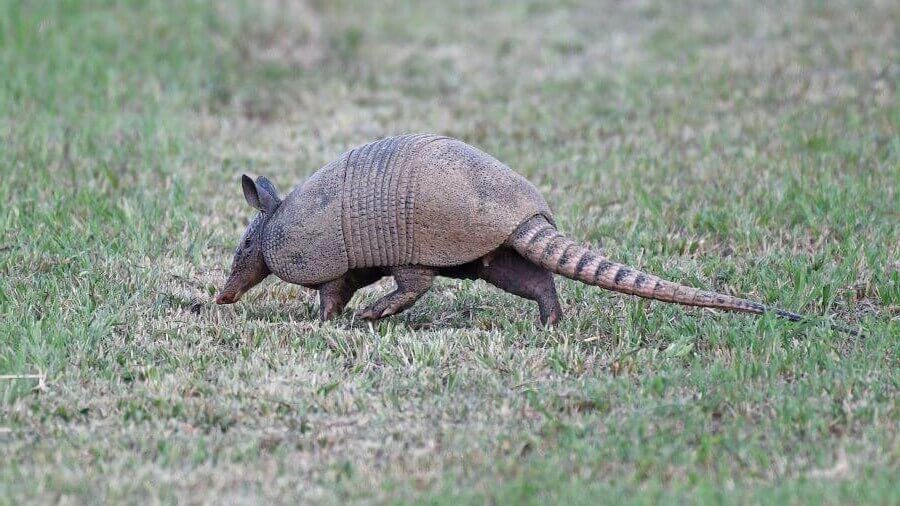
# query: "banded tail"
x,y
540,242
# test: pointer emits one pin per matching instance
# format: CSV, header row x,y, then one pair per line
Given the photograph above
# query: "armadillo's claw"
x,y
551,318
329,310
369,314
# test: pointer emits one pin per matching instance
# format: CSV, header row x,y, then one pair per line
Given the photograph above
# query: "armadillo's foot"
x,y
549,316
369,313
329,309
509,271
333,297
412,283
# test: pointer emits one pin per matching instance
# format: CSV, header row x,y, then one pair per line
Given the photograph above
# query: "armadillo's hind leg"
x,y
509,271
412,283
334,295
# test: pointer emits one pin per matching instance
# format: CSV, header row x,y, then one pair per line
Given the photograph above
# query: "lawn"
x,y
749,149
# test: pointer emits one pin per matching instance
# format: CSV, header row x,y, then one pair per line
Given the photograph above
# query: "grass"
x,y
748,149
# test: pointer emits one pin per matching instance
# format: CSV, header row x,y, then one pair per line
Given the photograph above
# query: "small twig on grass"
x,y
21,376
528,382
40,377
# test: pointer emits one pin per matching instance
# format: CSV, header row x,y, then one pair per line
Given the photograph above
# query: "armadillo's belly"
x,y
430,200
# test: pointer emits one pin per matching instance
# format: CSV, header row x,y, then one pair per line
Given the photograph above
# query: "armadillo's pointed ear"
x,y
250,192
258,196
263,183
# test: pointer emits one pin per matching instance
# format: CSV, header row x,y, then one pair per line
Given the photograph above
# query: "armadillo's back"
x,y
430,200
405,200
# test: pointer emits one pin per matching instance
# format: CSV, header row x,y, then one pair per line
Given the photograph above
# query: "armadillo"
x,y
419,206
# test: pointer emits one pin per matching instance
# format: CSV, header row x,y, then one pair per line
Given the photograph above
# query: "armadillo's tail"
x,y
540,242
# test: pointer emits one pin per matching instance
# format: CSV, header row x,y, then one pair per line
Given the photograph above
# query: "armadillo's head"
x,y
249,267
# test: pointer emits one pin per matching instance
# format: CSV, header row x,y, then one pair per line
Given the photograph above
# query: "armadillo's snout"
x,y
238,283
225,298
229,296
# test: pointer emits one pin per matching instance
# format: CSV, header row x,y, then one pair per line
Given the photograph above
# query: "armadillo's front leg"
x,y
412,283
334,295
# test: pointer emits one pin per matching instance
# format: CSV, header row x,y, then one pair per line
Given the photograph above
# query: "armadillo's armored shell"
x,y
405,200
302,242
468,203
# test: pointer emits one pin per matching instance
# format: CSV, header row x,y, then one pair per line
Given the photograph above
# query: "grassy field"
x,y
728,146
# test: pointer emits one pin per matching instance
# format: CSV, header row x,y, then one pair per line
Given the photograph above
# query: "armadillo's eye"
x,y
247,242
